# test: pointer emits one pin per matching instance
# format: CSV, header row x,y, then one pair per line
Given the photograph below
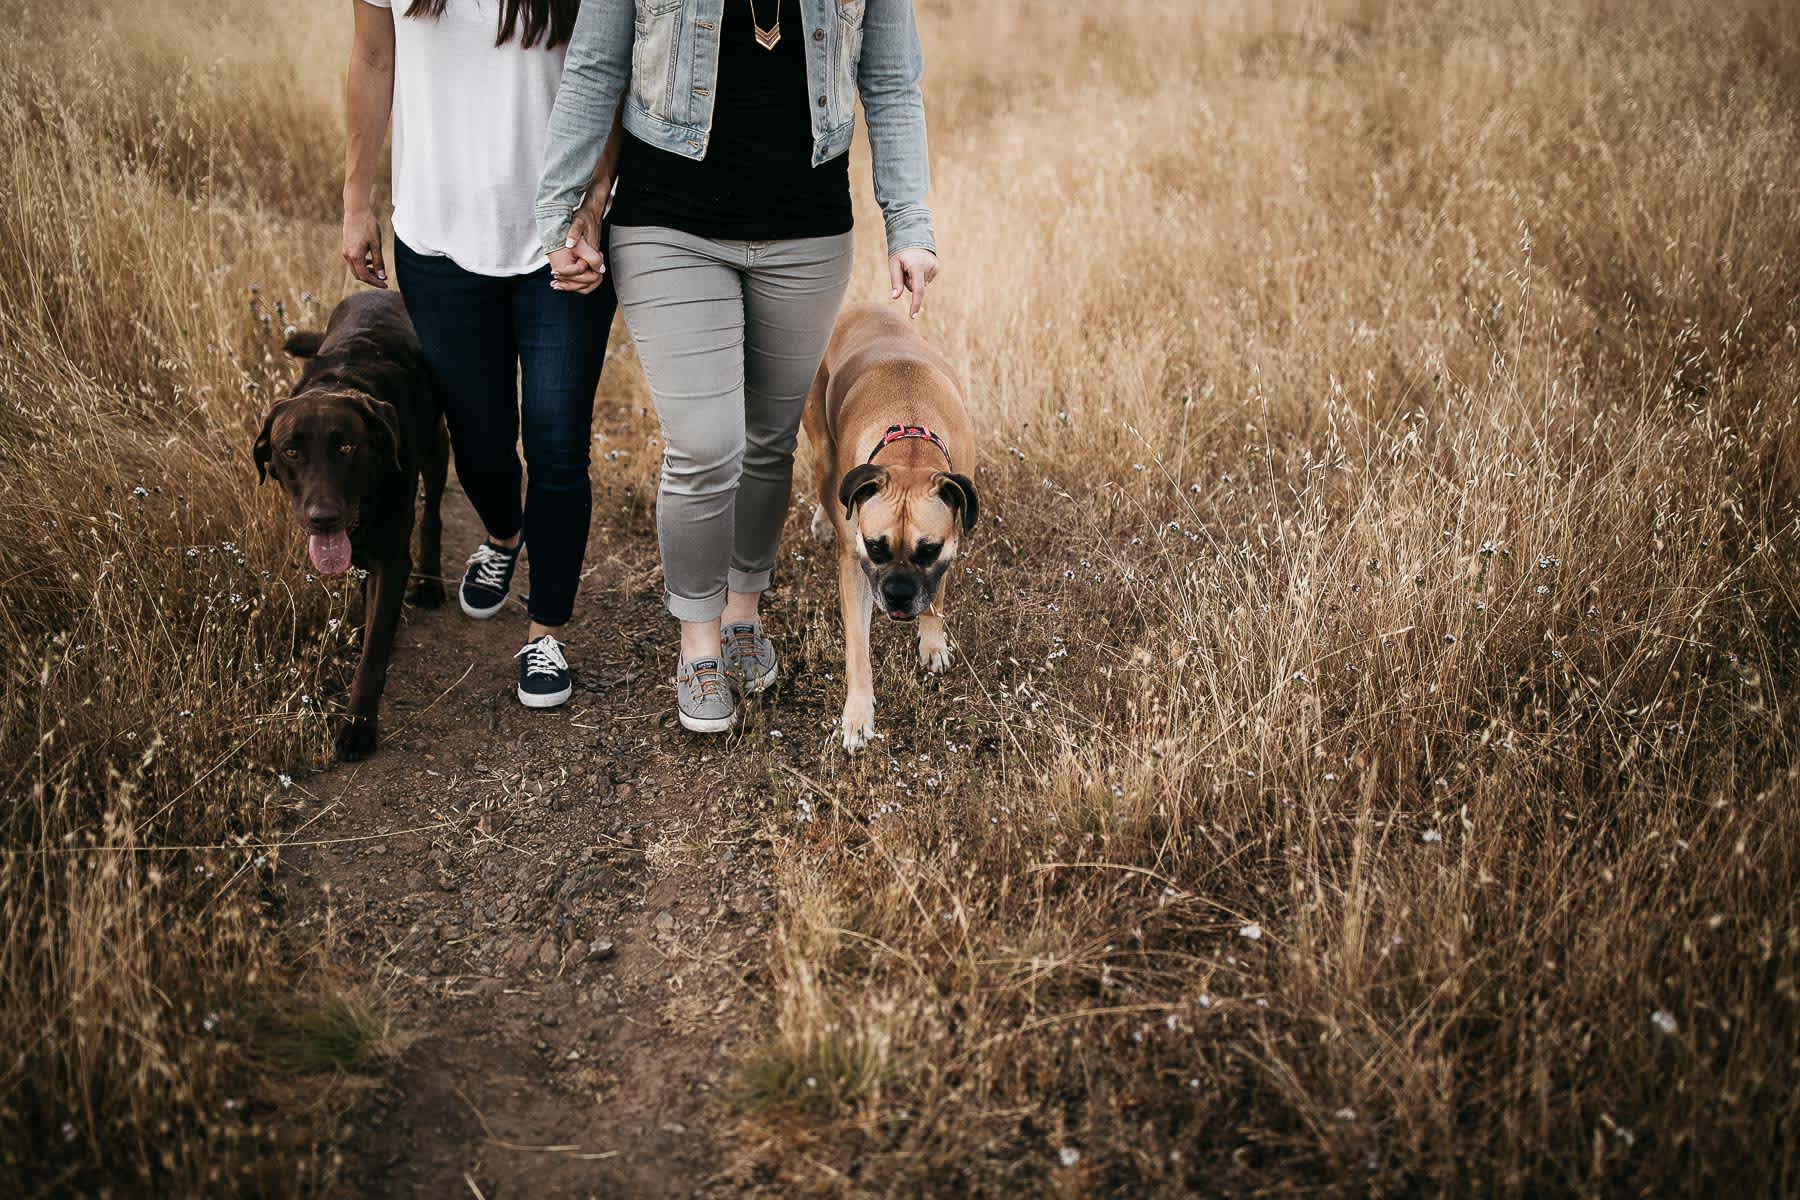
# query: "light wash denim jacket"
x,y
663,57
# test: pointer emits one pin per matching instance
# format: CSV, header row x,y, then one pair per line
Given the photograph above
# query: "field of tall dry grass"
x,y
1372,768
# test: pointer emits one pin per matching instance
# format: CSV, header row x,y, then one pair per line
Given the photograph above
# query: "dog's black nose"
x,y
899,591
320,519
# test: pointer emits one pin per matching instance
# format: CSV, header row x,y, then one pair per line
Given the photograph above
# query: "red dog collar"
x,y
899,433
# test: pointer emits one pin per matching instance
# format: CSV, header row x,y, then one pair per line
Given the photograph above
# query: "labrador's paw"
x,y
356,739
426,593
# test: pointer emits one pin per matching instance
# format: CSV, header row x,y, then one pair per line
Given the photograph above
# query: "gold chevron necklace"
x,y
768,38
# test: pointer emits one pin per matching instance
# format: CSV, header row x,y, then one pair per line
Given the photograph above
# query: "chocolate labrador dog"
x,y
349,444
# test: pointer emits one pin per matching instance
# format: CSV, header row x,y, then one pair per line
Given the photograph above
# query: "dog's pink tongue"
x,y
330,552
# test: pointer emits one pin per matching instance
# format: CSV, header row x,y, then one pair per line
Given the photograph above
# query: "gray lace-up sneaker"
x,y
749,656
703,696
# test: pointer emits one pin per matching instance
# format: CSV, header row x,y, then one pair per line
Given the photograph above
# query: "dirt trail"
x,y
566,909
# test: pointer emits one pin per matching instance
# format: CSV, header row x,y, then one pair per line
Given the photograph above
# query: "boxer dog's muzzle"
x,y
907,522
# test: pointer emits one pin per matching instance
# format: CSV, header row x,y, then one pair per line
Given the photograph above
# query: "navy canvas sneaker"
x,y
544,680
488,579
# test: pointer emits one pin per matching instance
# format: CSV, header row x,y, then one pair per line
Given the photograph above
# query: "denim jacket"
x,y
662,56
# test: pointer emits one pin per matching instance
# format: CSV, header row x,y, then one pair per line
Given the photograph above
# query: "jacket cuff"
x,y
911,231
553,227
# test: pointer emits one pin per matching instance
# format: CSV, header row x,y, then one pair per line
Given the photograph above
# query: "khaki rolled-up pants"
x,y
730,335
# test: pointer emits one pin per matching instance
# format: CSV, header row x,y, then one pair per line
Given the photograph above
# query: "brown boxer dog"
x,y
892,448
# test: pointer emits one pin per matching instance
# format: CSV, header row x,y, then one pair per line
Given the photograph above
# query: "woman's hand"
x,y
362,246
911,270
579,266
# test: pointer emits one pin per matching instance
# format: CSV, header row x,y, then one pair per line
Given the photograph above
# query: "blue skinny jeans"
x,y
519,363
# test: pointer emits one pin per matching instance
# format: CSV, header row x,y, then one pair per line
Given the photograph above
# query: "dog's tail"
x,y
304,343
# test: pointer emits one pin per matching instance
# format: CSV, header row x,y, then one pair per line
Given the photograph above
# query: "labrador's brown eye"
x,y
290,452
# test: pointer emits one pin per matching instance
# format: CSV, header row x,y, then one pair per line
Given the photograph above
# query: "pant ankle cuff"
x,y
707,608
749,581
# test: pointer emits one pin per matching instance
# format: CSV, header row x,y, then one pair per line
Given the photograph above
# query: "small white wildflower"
x,y
776,734
1206,1000
1252,931
140,492
1345,1114
211,1022
1068,1156
1665,1022
1431,835
286,781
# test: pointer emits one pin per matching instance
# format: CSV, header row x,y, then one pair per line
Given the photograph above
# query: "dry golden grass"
x,y
1392,438
1390,430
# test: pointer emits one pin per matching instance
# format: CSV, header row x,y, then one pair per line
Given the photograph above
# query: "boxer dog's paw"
x,y
934,651
859,722
821,524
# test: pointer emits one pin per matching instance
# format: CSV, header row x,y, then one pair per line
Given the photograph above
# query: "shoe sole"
x,y
546,699
706,724
480,614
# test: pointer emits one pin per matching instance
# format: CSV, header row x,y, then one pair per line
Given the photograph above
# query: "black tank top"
x,y
757,182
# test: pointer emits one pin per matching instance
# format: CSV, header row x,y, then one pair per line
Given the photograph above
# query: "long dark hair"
x,y
548,21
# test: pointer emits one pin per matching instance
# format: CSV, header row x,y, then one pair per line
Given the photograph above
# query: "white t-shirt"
x,y
469,129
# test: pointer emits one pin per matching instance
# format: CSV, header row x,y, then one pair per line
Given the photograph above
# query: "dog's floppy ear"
x,y
859,484
303,343
383,421
264,449
958,491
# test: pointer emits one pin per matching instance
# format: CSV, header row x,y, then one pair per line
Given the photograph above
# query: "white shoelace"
x,y
543,657
491,566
